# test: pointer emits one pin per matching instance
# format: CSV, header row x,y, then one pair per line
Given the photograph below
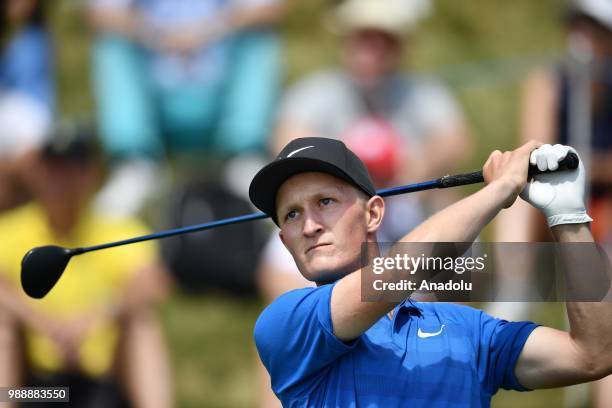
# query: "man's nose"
x,y
312,224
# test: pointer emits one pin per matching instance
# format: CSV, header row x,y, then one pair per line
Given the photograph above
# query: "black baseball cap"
x,y
72,140
303,155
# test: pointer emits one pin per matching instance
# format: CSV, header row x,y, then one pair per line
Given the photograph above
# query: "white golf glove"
x,y
559,195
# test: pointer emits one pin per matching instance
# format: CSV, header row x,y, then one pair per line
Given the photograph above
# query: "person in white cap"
x,y
547,115
370,84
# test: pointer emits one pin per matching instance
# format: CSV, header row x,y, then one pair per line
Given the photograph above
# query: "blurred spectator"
x,y
26,90
96,331
190,75
547,115
404,126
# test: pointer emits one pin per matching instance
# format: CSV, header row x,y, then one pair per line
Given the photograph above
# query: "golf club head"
x,y
41,268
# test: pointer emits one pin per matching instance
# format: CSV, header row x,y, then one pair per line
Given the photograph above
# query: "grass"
x,y
480,47
212,351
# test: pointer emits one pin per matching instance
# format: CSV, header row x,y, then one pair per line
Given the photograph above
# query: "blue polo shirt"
x,y
428,355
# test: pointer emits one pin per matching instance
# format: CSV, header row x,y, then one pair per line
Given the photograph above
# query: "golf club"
x,y
42,266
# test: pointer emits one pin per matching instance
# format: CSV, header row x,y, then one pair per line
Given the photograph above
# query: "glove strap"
x,y
575,218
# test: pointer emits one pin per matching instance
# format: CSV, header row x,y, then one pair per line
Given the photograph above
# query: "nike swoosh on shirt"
x,y
425,335
298,150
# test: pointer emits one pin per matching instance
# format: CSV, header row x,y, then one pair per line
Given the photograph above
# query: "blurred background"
x,y
120,117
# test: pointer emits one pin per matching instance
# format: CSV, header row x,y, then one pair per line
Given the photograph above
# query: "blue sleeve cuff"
x,y
521,336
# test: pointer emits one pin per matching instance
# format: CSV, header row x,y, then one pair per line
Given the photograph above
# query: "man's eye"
x,y
291,215
325,201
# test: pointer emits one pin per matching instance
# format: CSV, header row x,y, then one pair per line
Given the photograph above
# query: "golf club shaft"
x,y
173,232
410,188
570,162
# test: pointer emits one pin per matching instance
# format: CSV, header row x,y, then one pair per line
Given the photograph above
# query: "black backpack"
x,y
222,258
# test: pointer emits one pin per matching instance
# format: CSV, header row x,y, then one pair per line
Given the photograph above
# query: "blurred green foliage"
x,y
482,48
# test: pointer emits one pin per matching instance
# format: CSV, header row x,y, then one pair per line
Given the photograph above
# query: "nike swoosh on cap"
x,y
298,150
425,335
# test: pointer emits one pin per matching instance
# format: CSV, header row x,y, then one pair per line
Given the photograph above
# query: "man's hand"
x,y
559,195
509,169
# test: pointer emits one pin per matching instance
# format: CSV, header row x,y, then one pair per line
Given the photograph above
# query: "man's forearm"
x,y
460,222
572,233
590,322
463,221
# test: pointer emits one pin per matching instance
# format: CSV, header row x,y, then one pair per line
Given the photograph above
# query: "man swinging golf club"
x,y
325,347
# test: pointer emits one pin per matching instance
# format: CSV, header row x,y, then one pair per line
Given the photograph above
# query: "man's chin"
x,y
325,273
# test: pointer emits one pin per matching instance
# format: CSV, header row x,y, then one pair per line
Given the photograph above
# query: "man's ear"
x,y
375,211
280,235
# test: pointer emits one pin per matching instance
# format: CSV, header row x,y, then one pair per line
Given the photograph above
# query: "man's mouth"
x,y
316,246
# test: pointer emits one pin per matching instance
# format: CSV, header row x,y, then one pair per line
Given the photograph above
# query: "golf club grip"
x,y
462,179
570,162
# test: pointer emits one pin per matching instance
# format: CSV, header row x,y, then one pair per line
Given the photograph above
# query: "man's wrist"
x,y
572,232
505,191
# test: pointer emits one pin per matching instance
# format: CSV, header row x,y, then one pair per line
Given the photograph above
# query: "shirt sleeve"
x,y
295,340
501,344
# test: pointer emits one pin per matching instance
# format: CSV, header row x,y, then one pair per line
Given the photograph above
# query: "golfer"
x,y
325,347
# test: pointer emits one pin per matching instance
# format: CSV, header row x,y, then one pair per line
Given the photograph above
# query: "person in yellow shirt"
x,y
96,330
